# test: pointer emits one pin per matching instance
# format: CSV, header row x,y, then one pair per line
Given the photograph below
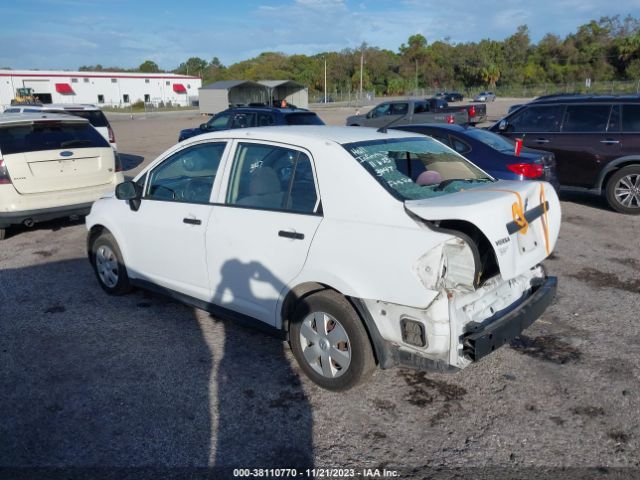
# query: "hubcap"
x,y
325,345
107,266
627,191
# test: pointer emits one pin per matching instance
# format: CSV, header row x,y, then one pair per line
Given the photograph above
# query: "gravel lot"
x,y
140,381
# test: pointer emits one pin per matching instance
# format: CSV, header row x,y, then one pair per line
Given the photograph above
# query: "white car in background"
x,y
361,247
485,97
92,113
51,166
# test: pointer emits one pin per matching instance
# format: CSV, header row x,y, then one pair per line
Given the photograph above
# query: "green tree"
x,y
148,66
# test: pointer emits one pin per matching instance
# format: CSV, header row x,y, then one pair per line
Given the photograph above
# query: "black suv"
x,y
243,117
595,139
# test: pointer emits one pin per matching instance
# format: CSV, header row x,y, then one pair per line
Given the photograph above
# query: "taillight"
x,y
4,173
112,137
472,111
451,119
118,163
527,170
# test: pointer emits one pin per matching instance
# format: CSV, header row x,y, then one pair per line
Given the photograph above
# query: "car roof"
x,y
18,118
303,133
271,109
581,98
452,127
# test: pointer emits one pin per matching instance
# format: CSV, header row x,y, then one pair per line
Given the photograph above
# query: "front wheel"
x,y
623,190
330,342
108,265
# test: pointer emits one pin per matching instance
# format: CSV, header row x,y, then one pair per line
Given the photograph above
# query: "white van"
x,y
51,166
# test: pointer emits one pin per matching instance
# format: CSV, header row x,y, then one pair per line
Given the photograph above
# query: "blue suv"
x,y
243,117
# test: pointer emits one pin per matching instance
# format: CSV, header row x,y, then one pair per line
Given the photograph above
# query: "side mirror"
x,y
129,191
204,127
502,126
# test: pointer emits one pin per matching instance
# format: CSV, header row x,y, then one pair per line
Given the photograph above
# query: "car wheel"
x,y
623,190
330,342
3,233
109,266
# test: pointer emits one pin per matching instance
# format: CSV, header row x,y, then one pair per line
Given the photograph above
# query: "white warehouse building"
x,y
105,89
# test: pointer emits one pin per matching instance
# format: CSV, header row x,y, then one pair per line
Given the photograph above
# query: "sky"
x,y
66,34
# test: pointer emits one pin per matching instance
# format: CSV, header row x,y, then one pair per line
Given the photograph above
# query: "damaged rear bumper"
x,y
482,339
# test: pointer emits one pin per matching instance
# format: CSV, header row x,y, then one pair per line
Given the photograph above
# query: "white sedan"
x,y
485,97
361,247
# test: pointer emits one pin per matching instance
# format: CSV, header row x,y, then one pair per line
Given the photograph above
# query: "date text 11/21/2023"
x,y
315,473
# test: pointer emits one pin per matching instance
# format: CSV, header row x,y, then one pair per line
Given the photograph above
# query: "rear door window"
x,y
543,118
631,118
265,119
272,177
399,108
244,120
586,118
303,118
51,135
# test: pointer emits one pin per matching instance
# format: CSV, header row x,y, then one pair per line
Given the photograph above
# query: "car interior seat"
x,y
264,189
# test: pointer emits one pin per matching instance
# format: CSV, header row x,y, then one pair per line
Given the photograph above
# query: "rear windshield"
x,y
416,168
305,118
493,140
53,135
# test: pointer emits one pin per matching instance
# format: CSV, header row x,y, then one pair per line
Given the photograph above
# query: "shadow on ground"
x,y
93,380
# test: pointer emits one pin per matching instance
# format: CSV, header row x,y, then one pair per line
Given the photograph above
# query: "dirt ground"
x,y
100,383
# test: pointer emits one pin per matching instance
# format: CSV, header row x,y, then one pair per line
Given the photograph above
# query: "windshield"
x,y
493,140
416,168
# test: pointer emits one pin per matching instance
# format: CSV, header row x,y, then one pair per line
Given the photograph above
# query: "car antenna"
x,y
383,129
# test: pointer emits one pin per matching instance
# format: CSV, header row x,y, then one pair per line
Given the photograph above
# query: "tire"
x,y
623,190
330,342
108,265
3,233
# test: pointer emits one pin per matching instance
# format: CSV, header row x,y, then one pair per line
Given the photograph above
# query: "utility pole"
x,y
325,79
416,76
361,69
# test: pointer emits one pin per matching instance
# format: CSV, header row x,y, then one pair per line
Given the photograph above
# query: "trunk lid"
x,y
521,220
48,171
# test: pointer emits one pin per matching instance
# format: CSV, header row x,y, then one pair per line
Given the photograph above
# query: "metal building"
x,y
293,92
219,96
117,89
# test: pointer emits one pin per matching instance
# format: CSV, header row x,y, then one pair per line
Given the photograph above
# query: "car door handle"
x,y
289,234
542,140
610,142
192,221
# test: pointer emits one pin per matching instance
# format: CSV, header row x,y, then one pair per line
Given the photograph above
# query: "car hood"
x,y
191,131
497,210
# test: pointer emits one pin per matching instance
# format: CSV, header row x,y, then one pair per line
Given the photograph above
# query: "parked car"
x,y
315,234
485,97
244,117
92,113
449,96
491,152
595,139
431,110
51,166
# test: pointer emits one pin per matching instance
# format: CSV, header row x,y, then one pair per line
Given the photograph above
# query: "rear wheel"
x,y
623,190
109,266
330,342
